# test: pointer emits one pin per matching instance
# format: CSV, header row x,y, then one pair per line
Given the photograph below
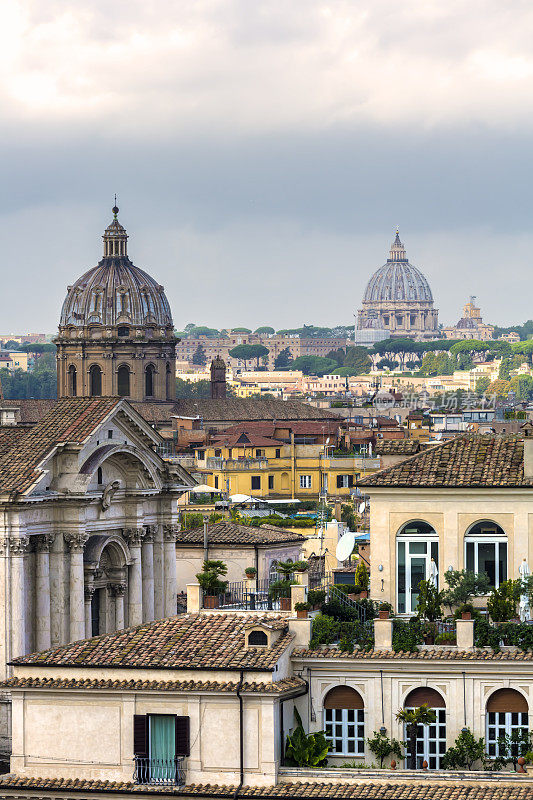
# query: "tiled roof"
x,y
433,654
70,420
9,437
298,427
237,409
428,787
31,411
276,687
231,533
251,440
187,641
397,447
470,460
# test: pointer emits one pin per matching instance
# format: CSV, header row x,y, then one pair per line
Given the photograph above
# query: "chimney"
x,y
527,429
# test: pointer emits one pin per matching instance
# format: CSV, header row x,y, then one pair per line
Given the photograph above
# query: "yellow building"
x,y
260,466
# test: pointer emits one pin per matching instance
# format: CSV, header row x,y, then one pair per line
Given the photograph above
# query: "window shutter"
x,y
350,481
507,700
140,735
183,736
339,481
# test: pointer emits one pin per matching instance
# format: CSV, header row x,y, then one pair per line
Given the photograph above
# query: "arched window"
x,y
99,476
344,721
72,381
486,551
149,380
95,381
430,739
273,574
417,548
257,638
507,715
168,382
123,381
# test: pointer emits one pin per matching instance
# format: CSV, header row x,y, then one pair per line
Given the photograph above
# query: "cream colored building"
x,y
465,504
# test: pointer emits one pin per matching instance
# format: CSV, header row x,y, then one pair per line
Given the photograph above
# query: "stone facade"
x,y
116,336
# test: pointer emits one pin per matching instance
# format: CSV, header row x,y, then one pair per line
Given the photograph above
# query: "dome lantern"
x,y
115,237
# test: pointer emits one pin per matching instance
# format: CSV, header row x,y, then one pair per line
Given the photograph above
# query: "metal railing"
x,y
332,593
160,771
240,596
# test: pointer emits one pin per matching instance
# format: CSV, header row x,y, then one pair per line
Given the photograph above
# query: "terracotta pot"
x,y
250,575
285,603
364,594
521,761
352,596
302,613
424,764
393,764
211,601
466,615
384,614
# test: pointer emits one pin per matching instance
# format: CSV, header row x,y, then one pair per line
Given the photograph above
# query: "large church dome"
x,y
397,280
116,292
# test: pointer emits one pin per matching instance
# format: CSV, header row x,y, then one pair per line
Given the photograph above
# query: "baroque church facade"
x,y
398,301
88,507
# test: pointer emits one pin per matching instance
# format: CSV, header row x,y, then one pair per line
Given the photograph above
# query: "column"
x,y
76,543
170,533
118,591
147,553
43,544
88,594
17,550
159,606
134,537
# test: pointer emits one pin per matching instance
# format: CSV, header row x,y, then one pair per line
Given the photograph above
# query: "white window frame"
x,y
424,741
340,720
490,539
305,481
505,726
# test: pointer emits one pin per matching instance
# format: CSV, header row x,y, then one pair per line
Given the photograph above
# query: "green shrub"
x,y
209,577
316,596
361,575
407,635
383,747
502,602
429,601
463,585
281,588
305,749
465,752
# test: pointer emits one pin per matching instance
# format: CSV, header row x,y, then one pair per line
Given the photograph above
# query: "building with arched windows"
x,y
397,302
116,335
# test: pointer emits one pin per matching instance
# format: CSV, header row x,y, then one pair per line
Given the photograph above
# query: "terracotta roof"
x,y
276,687
31,411
9,437
186,641
436,654
245,440
397,447
237,409
70,420
470,460
231,533
507,787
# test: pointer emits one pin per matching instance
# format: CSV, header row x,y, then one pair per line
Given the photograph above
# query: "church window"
x,y
149,381
123,331
99,476
123,381
168,382
95,381
72,381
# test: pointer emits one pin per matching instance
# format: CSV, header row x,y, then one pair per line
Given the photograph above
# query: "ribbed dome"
x,y
397,280
116,291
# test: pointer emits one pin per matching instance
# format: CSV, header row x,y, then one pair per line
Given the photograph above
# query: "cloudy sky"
x,y
263,152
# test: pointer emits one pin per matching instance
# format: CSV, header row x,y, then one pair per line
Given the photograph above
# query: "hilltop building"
x,y
471,325
397,300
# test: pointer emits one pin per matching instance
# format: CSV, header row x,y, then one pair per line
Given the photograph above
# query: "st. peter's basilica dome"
x,y
397,280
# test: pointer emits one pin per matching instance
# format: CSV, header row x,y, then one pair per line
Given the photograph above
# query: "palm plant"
x,y
412,718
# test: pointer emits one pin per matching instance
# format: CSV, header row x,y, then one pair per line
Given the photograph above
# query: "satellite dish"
x,y
362,507
345,546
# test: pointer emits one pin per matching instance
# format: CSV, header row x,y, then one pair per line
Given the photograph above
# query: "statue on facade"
x,y
107,494
524,608
433,573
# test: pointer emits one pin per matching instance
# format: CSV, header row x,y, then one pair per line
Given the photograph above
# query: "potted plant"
x,y
384,610
302,609
362,578
281,590
463,585
300,566
316,597
286,569
250,573
209,580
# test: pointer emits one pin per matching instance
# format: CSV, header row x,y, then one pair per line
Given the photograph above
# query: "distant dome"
x,y
116,292
397,280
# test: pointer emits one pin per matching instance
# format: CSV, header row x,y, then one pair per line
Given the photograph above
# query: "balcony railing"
x,y
237,464
160,771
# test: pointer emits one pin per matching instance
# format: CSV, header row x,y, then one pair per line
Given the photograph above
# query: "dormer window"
x,y
257,639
